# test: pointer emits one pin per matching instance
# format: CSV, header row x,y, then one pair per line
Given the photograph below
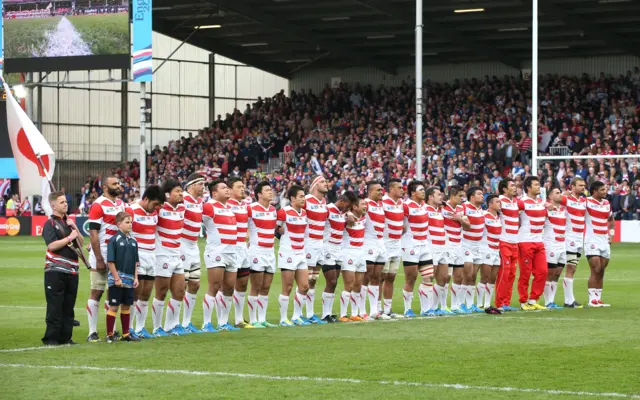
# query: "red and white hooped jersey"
x,y
492,232
103,212
192,220
394,221
597,221
374,224
510,219
262,226
143,228
242,220
533,214
295,226
555,226
170,223
471,237
334,229
416,222
220,225
317,215
354,234
576,211
452,228
437,238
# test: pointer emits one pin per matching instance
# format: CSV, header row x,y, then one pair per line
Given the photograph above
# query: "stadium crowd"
x,y
476,133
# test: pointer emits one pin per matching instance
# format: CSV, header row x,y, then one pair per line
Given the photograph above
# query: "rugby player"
x,y
437,304
102,226
262,226
576,205
554,237
453,214
394,223
472,230
220,256
354,264
189,246
169,267
144,216
599,234
490,248
292,262
510,220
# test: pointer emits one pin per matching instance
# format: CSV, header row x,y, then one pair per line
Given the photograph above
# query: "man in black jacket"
x,y
60,272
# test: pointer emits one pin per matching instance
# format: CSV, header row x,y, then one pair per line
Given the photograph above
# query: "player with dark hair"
x,y
394,224
438,245
510,220
353,264
453,214
490,248
554,238
576,205
472,230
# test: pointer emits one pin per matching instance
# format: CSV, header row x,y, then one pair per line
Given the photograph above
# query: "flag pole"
x,y
77,247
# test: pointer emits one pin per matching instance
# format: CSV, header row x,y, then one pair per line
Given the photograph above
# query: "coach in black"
x,y
60,272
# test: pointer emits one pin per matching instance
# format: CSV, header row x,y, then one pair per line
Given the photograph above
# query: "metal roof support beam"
x,y
441,30
305,34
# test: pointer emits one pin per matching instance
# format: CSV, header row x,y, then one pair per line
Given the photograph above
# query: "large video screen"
x,y
51,35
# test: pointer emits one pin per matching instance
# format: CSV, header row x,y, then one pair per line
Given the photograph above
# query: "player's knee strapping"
x,y
426,272
572,259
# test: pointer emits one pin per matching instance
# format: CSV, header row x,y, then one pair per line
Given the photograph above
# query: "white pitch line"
x,y
21,349
454,386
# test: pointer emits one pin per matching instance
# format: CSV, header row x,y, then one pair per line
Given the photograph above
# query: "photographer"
x,y
60,272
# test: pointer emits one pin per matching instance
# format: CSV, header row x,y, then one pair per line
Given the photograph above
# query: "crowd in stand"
x,y
475,132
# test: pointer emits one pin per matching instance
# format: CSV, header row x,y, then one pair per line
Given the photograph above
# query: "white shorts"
x,y
490,257
354,260
263,262
574,246
221,260
597,249
292,261
242,258
556,255
455,256
147,264
439,257
191,262
331,256
375,253
416,255
391,266
166,266
92,259
472,255
392,252
313,255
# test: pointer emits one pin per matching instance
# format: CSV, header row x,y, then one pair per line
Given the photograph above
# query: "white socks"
x,y
443,299
299,300
157,309
362,304
172,318
355,303
457,294
470,290
327,303
238,305
489,294
224,307
345,298
92,315
568,291
284,307
310,301
594,294
408,299
374,292
252,303
208,305
440,300
142,308
481,288
263,302
189,305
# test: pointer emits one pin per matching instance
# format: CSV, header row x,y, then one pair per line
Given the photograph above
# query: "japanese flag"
x,y
28,145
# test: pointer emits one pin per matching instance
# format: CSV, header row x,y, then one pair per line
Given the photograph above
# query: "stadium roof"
x,y
285,36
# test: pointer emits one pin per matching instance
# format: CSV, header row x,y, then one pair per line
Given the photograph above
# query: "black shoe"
x,y
111,339
334,318
76,322
128,338
93,338
328,319
575,304
492,310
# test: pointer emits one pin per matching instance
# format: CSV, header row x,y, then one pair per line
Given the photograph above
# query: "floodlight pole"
x,y
534,89
419,89
143,125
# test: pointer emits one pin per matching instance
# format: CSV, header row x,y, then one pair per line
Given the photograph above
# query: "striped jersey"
x,y
437,238
555,226
533,214
576,210
354,234
295,226
492,232
510,219
416,223
316,218
334,229
374,224
452,228
169,231
394,222
471,237
262,226
239,208
220,225
143,228
103,213
192,220
597,221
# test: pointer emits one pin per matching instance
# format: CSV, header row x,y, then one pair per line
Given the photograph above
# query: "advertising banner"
x,y
142,58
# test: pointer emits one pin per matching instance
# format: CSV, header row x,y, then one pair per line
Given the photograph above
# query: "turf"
x,y
105,34
572,354
24,37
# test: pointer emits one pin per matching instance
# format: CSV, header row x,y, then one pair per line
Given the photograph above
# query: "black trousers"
x,y
60,290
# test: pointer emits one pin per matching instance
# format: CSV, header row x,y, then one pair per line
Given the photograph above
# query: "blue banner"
x,y
1,39
142,57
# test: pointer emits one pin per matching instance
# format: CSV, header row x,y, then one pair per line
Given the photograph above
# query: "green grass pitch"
x,y
564,354
23,37
105,34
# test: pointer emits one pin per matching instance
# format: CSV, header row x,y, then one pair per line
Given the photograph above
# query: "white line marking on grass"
x,y
21,349
453,386
34,307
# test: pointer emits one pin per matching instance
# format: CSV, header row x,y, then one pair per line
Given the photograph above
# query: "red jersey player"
x,y
510,220
599,233
490,248
291,256
532,257
554,238
262,228
102,226
576,205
